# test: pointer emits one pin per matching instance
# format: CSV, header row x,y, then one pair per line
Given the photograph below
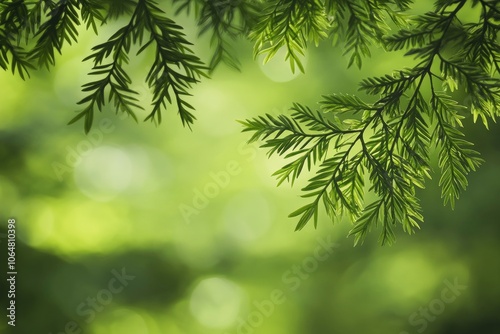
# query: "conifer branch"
x,y
174,69
390,139
378,145
289,24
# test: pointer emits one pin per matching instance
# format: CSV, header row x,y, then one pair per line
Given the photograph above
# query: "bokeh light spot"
x,y
88,227
215,302
103,173
41,228
278,69
247,216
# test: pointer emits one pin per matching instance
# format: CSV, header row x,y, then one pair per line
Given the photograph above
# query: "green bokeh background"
x,y
88,206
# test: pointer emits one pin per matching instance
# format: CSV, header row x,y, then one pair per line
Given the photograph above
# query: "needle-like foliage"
x,y
174,70
290,24
387,142
32,33
355,145
226,20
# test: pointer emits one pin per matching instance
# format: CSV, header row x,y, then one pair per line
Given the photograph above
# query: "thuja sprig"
x,y
388,141
226,20
289,24
175,68
33,33
20,22
362,24
60,28
292,24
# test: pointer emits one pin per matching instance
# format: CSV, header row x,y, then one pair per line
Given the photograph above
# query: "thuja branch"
x,y
390,139
32,33
174,69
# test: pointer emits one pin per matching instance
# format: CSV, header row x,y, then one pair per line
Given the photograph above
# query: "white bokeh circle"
x,y
104,172
278,68
216,302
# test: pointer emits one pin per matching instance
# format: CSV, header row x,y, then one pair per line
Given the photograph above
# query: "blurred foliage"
x,y
202,230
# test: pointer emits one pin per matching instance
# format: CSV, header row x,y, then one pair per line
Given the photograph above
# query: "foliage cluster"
x,y
386,141
378,142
